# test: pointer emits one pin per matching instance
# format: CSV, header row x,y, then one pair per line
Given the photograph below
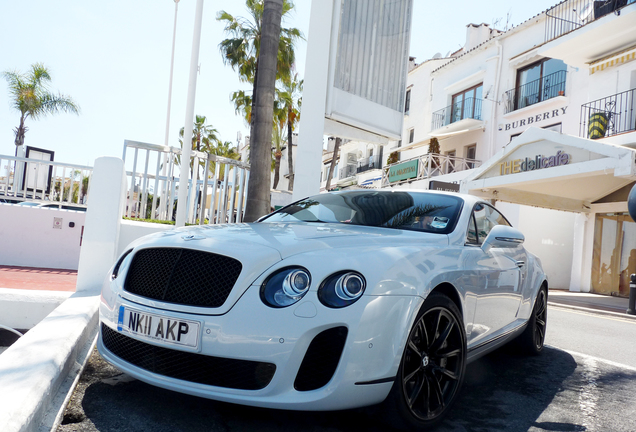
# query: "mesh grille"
x,y
321,359
182,276
198,368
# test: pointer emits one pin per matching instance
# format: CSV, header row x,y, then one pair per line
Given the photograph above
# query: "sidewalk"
x,y
31,278
590,302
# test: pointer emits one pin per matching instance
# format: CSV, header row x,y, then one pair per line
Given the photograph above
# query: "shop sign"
x,y
443,186
539,161
533,119
403,171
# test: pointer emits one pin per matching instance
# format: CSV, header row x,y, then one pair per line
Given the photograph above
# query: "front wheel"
x,y
432,367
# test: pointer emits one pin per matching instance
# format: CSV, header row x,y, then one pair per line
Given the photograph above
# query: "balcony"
x,y
431,165
366,164
611,115
582,31
461,116
533,92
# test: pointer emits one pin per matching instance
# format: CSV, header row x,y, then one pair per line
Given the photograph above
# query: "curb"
x,y
34,369
593,311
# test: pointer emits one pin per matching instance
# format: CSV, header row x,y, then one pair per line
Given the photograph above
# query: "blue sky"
x,y
113,58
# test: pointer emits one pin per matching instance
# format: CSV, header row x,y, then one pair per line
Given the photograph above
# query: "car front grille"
x,y
321,359
197,368
182,276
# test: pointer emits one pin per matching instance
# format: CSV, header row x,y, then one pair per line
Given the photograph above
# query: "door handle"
x,y
520,263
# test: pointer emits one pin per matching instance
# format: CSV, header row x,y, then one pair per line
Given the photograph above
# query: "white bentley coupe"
x,y
337,301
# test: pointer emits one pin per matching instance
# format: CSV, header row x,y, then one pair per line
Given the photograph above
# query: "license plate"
x,y
167,329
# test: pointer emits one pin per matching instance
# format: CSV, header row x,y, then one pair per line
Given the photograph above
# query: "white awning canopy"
x,y
548,169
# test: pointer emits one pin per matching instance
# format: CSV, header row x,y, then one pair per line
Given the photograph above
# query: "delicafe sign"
x,y
522,165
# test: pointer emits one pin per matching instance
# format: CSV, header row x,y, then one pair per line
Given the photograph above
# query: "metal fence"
x,y
570,15
536,91
41,181
217,189
468,108
608,116
366,164
431,165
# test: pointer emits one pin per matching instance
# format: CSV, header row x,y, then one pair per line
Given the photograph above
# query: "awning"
x,y
547,169
620,58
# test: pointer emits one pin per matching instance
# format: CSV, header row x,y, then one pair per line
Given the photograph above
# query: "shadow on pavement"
x,y
503,391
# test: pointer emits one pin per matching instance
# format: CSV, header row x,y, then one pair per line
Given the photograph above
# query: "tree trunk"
x,y
258,190
334,158
290,160
277,157
253,109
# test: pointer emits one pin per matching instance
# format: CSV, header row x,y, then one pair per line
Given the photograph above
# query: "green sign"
x,y
403,171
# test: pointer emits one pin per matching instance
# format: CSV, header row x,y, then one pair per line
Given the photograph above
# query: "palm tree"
x,y
31,96
278,137
204,137
241,50
224,149
291,97
258,190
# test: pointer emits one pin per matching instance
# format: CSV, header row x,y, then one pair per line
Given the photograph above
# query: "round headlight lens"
x,y
285,287
341,289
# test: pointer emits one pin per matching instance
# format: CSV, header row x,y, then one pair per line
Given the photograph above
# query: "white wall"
x,y
549,235
130,231
29,238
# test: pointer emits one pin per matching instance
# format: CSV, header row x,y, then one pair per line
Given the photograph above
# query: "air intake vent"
x,y
321,359
198,368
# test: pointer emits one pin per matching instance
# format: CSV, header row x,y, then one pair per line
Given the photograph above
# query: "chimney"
x,y
476,34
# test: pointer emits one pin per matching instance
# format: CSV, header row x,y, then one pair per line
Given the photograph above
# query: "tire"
x,y
533,337
431,369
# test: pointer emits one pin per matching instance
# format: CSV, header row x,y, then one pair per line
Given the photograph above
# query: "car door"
x,y
500,273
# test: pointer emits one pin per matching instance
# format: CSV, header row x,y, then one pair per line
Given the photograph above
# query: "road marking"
x,y
598,359
588,395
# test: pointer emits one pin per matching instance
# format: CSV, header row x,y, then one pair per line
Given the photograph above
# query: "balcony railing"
x,y
372,162
570,15
432,165
536,91
469,108
347,171
608,116
23,179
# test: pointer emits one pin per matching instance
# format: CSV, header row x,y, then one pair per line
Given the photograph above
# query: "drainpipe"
x,y
493,112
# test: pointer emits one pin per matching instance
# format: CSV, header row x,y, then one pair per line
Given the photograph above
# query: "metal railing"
x,y
608,116
570,15
23,179
432,165
469,108
372,162
536,91
217,189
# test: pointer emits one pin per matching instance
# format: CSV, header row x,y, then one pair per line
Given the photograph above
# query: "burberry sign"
x,y
533,119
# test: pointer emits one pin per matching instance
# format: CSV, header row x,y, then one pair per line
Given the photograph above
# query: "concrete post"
x,y
312,122
106,201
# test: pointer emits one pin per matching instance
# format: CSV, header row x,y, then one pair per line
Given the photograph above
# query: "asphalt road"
x,y
585,380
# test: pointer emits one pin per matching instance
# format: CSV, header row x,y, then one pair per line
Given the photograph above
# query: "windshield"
x,y
418,211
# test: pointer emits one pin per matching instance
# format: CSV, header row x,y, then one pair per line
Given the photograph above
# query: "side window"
x,y
487,217
471,235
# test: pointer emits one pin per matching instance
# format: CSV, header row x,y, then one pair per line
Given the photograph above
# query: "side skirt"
x,y
488,346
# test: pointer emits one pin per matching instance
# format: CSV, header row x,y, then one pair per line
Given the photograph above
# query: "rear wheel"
x,y
532,339
432,367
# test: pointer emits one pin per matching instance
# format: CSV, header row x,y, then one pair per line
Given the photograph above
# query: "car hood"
x,y
258,246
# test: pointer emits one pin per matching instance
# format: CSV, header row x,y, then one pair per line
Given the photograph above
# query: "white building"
x,y
541,119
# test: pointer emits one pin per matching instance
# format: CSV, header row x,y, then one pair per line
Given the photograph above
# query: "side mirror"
x,y
503,236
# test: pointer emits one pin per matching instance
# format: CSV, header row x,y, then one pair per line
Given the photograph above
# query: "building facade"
x,y
541,119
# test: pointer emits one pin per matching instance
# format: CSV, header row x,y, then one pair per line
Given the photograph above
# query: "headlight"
x,y
115,272
285,287
341,289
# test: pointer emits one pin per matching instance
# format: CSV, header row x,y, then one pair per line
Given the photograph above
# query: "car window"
x,y
487,217
416,211
471,234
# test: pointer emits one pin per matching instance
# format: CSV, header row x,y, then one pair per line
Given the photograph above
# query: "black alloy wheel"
x,y
533,337
540,320
432,368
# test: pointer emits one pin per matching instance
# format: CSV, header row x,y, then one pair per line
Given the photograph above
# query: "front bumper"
x,y
376,326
